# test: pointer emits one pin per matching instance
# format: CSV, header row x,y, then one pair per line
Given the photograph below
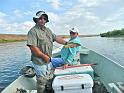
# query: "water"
x,y
110,47
13,56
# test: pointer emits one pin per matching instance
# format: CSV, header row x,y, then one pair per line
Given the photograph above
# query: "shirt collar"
x,y
40,27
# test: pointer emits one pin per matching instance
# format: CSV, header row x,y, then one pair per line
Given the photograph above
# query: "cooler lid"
x,y
72,81
73,70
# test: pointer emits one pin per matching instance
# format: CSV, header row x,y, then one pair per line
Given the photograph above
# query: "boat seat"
x,y
84,51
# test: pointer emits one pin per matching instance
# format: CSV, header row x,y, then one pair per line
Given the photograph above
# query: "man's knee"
x,y
41,84
40,89
49,88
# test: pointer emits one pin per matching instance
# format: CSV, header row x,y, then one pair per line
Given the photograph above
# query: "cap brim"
x,y
72,31
46,16
35,19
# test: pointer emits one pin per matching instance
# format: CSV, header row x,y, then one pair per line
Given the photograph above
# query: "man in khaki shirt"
x,y
40,41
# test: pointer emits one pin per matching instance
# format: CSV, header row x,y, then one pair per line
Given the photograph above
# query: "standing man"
x,y
40,41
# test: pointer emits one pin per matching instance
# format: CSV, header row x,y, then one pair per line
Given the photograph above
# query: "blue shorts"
x,y
57,62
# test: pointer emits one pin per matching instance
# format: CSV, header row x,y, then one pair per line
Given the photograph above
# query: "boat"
x,y
108,74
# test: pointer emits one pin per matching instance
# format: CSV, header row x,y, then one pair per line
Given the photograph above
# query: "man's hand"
x,y
39,53
65,66
46,58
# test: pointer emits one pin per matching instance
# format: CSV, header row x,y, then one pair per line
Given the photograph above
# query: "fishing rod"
x,y
81,65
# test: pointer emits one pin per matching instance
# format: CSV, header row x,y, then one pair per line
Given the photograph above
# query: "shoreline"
x,y
5,38
7,41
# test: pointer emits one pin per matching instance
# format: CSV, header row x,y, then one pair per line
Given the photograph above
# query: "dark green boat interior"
x,y
108,75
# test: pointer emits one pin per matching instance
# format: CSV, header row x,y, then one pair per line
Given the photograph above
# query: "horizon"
x,y
57,34
89,16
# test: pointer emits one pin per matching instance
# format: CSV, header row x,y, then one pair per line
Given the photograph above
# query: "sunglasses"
x,y
72,32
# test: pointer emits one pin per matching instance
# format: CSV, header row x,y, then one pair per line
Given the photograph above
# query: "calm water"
x,y
110,47
13,56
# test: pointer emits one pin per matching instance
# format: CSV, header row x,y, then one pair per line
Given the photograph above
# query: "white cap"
x,y
39,14
74,29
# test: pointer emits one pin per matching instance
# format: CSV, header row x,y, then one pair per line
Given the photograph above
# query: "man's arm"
x,y
39,53
60,40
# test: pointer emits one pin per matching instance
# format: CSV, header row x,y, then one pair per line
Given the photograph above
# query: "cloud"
x,y
23,27
83,15
116,16
75,16
27,13
18,28
88,3
91,16
18,13
55,3
113,21
53,17
91,3
2,14
3,23
36,4
88,15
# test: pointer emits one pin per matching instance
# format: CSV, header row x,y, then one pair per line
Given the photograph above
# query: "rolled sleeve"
x,y
54,37
31,38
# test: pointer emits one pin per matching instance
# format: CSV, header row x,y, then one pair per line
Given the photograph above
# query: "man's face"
x,y
42,21
73,34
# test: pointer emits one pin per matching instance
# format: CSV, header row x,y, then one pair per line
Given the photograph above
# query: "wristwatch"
x,y
66,43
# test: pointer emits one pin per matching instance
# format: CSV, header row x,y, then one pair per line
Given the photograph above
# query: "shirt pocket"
x,y
42,40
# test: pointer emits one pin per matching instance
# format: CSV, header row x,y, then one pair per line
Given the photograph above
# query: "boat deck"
x,y
120,85
97,88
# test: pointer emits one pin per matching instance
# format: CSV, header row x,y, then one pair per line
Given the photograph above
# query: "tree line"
x,y
114,33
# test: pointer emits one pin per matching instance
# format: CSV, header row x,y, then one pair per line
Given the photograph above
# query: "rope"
x,y
78,65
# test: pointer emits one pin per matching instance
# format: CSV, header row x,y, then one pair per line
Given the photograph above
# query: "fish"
x,y
71,45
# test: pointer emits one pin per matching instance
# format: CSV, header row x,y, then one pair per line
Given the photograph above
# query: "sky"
x,y
89,16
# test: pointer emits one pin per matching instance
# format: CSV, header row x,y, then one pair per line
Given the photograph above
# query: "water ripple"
x,y
13,56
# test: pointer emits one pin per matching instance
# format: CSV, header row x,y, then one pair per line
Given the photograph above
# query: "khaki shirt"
x,y
43,38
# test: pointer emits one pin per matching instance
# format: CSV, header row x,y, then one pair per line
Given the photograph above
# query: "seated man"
x,y
69,51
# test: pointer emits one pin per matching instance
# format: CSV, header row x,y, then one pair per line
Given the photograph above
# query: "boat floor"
x,y
97,88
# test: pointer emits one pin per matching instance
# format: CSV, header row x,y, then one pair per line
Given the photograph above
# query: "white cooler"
x,y
76,83
75,70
